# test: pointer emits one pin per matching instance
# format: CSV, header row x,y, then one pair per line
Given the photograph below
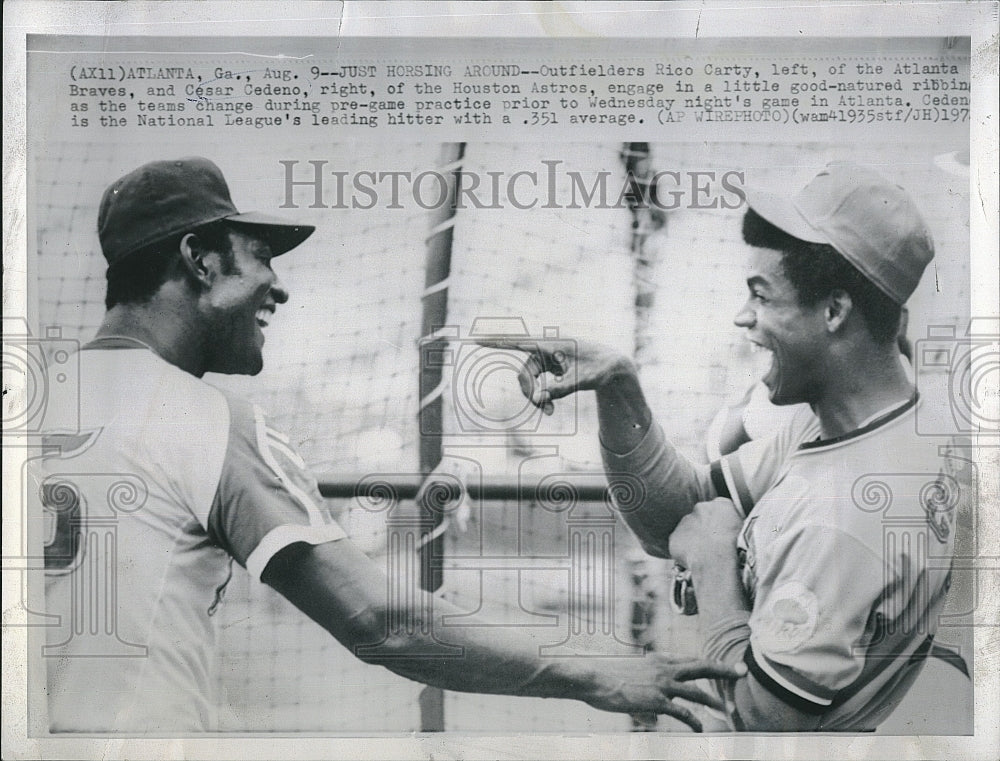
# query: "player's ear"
x,y
839,306
195,261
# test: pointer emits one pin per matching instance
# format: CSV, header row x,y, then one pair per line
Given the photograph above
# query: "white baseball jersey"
x,y
165,482
846,553
846,556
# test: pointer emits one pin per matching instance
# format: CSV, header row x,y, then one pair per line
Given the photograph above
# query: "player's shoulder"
x,y
193,402
165,424
247,421
240,409
138,386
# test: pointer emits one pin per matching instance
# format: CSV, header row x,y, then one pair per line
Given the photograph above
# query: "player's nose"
x,y
278,291
745,318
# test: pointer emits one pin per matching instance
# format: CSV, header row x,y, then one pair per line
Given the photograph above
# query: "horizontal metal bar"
x,y
405,486
509,563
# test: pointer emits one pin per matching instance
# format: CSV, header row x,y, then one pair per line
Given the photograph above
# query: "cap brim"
x,y
781,212
280,234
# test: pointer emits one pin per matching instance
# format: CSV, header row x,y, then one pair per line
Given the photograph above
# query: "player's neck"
x,y
165,333
863,387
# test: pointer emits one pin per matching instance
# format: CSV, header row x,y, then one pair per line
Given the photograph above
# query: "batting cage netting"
x,y
342,378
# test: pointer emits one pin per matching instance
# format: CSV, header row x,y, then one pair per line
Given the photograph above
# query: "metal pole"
x,y
435,315
403,487
647,217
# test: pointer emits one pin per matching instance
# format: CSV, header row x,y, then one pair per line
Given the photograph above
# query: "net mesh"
x,y
341,378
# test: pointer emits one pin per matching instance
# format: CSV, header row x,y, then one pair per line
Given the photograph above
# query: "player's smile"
x,y
246,298
778,324
264,315
765,354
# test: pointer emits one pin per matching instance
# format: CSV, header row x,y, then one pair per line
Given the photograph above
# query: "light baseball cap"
x,y
164,198
870,221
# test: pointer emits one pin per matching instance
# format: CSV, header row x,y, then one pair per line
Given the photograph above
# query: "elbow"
x,y
653,538
369,636
655,548
377,641
653,527
750,719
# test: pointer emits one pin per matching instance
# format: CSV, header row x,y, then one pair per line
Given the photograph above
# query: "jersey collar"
x,y
879,419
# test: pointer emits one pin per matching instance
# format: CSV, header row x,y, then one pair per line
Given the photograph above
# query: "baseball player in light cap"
x,y
183,479
785,538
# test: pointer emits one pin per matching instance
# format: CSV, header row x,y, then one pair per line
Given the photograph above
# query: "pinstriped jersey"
x,y
166,480
846,555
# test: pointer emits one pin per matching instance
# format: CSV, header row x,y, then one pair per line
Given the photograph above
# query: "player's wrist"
x,y
567,678
620,370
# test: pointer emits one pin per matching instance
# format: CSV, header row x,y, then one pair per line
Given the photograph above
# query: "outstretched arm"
x,y
345,592
631,442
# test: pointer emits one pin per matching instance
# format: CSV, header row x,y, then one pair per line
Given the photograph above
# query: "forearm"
x,y
631,442
489,660
723,609
725,615
623,415
428,639
347,594
474,658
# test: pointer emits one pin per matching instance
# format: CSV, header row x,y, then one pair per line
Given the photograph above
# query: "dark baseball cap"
x,y
870,221
165,198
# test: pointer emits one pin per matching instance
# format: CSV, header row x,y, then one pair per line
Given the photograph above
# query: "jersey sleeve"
x,y
667,477
266,498
815,595
744,476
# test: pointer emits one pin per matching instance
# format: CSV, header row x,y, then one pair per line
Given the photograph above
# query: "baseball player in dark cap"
x,y
785,538
192,478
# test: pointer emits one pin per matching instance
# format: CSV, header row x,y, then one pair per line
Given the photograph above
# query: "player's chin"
x,y
254,356
777,392
774,382
255,363
777,397
243,369
250,361
781,395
